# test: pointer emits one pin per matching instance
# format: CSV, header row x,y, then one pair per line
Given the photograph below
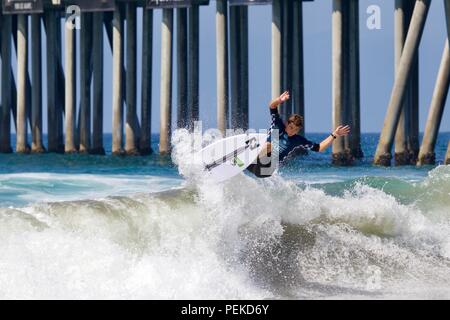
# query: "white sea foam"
x,y
243,239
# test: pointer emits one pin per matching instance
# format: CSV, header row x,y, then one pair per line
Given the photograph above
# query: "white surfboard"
x,y
228,157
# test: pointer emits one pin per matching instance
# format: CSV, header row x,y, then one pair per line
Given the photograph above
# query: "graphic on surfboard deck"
x,y
228,157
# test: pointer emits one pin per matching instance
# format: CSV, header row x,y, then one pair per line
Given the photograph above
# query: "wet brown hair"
x,y
296,119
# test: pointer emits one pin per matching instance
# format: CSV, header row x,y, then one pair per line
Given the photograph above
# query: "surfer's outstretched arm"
x,y
277,122
281,99
339,132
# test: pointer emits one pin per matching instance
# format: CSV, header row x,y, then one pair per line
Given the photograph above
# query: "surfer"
x,y
290,142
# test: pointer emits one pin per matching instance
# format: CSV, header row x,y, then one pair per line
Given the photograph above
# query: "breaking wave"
x,y
243,239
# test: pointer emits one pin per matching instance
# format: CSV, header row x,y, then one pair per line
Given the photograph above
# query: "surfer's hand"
x,y
342,131
283,98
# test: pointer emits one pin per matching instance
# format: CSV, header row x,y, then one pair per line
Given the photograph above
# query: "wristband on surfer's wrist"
x,y
333,135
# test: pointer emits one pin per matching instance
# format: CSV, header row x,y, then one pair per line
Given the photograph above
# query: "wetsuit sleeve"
x,y
311,145
306,144
277,123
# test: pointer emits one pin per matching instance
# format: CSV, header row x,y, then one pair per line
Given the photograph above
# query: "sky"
x,y
376,54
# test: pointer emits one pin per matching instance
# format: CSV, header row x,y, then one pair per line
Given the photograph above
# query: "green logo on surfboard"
x,y
237,161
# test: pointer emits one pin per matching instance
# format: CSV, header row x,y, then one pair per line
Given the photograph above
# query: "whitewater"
x,y
137,229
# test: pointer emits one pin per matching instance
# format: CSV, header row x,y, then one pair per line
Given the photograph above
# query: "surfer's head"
x,y
294,124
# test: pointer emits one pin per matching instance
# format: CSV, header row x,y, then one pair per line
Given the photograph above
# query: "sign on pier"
x,y
22,6
155,4
248,2
252,2
92,6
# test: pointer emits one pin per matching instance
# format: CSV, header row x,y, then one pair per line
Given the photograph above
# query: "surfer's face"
x,y
291,129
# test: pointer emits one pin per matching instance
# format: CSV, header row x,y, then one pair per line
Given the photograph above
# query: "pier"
x,y
75,121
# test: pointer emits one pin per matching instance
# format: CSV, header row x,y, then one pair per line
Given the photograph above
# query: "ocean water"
x,y
100,227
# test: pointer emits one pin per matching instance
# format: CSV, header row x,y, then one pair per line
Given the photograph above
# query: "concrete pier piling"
x,y
193,64
298,81
244,92
15,34
132,124
22,72
354,116
383,153
286,47
427,154
14,89
6,94
55,73
109,26
70,86
447,156
97,75
60,85
414,144
146,90
447,19
117,37
235,62
182,68
52,82
222,64
276,48
85,83
346,81
36,96
340,154
239,66
166,81
13,84
404,153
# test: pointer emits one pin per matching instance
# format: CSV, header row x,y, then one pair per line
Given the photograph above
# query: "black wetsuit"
x,y
287,146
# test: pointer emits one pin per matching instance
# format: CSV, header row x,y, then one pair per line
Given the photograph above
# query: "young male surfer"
x,y
289,139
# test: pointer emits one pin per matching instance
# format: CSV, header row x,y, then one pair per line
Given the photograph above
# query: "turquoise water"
x,y
84,226
25,179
